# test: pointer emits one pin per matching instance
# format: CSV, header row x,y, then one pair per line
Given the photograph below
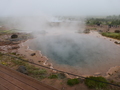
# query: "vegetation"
x,y
61,75
112,35
109,20
73,82
31,69
7,31
14,63
53,76
40,73
91,82
18,62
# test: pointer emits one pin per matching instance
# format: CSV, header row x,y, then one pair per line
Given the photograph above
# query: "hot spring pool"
x,y
78,53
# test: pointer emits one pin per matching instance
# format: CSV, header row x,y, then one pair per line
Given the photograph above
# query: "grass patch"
x,y
53,76
14,53
36,72
18,62
7,31
72,82
93,28
112,35
94,84
31,69
11,62
1,54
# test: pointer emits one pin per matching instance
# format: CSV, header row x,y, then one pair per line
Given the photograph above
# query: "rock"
x,y
22,69
54,71
15,47
100,31
117,42
39,61
117,31
97,74
67,76
61,75
14,36
87,31
33,54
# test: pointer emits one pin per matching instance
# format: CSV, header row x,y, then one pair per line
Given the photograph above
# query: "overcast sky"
x,y
59,7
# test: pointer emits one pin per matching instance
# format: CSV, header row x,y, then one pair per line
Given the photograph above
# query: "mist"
x,y
59,7
58,26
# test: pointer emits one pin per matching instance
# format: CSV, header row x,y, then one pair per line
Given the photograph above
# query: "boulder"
x,y
87,31
14,36
15,47
116,42
117,31
33,54
22,69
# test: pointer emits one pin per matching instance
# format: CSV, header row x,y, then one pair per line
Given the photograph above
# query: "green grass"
x,y
93,28
7,31
18,62
53,76
94,84
33,71
37,72
14,53
112,35
1,54
72,82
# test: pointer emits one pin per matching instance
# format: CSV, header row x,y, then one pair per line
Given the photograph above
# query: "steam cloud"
x,y
61,40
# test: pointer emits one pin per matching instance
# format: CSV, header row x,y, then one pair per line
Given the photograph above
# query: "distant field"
x,y
112,35
7,31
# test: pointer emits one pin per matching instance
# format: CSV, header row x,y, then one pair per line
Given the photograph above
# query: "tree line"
x,y
109,20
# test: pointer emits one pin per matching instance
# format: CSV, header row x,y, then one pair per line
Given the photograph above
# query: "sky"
x,y
59,7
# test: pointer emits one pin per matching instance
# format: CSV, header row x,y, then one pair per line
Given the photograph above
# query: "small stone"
x,y
33,54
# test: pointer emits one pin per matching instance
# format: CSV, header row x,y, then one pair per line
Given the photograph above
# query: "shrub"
x,y
4,63
34,70
61,75
18,62
53,76
13,53
72,82
37,72
91,82
112,35
1,54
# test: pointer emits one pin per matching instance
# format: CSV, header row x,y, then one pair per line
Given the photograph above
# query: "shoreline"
x,y
27,53
98,35
41,59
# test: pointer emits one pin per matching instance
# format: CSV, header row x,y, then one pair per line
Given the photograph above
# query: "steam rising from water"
x,y
64,46
87,53
59,40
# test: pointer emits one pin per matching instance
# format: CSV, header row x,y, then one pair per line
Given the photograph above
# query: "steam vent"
x,y
14,36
